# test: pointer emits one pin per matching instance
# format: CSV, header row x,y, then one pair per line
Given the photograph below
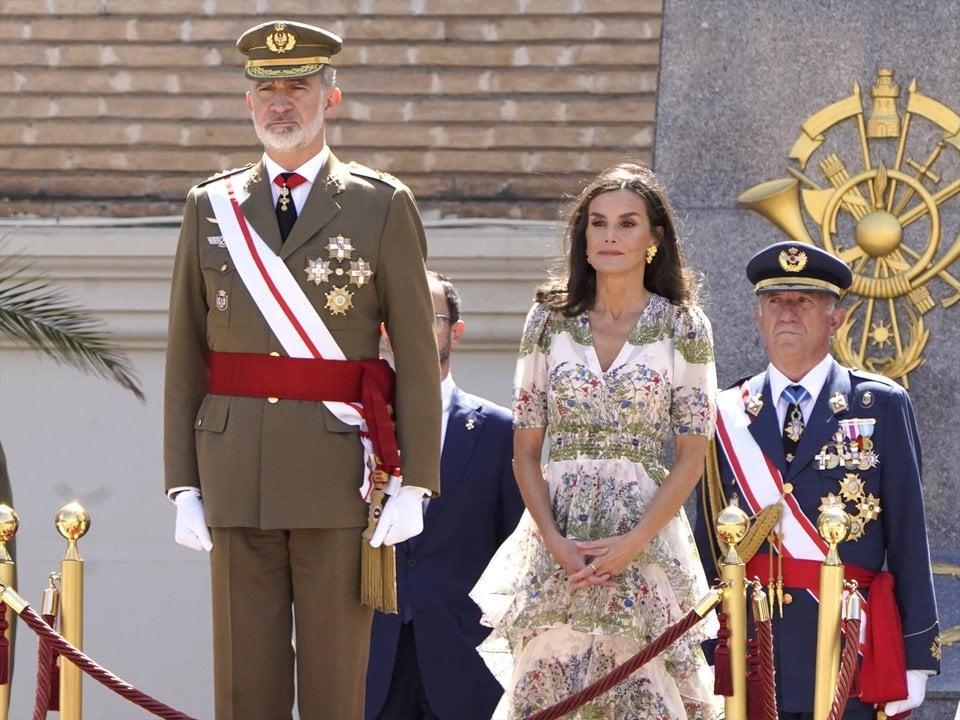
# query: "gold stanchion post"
x,y
9,524
834,526
732,524
72,522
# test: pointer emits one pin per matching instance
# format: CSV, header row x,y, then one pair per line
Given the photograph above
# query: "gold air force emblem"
x,y
793,259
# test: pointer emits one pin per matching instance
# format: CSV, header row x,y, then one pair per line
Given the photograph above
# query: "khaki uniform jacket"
x,y
293,464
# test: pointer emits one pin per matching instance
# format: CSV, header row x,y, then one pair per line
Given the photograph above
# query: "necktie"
x,y
793,427
286,210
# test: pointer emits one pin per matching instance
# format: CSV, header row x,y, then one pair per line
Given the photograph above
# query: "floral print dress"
x,y
606,433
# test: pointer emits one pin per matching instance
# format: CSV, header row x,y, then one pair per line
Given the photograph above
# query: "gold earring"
x,y
651,253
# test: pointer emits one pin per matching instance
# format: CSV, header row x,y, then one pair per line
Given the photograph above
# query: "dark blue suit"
x,y
896,540
478,507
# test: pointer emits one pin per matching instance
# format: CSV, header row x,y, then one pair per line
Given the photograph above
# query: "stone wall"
x,y
486,109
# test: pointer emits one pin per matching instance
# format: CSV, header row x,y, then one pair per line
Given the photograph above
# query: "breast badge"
x,y
340,248
339,300
222,300
340,255
318,271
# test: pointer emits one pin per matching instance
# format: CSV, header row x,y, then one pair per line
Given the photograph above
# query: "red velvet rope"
x,y
56,642
621,672
848,667
765,650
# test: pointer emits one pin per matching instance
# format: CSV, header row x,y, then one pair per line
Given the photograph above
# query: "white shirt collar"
x,y
309,170
812,382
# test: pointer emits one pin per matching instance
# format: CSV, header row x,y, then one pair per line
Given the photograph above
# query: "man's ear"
x,y
837,317
456,332
332,101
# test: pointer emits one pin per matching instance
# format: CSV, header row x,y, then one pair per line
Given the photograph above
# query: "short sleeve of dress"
x,y
530,381
693,408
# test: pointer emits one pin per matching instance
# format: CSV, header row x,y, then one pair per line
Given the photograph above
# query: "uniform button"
x,y
223,268
273,400
411,562
274,354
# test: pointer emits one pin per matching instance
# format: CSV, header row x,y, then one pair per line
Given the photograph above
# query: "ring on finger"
x,y
592,567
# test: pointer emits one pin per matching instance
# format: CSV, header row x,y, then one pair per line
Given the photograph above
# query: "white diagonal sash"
x,y
759,479
761,485
285,307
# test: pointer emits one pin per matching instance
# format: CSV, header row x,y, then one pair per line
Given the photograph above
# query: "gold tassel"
x,y
378,566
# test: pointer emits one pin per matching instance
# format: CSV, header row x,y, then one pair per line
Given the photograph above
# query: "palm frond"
x,y
38,315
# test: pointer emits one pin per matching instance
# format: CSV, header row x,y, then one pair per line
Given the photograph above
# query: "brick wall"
x,y
486,108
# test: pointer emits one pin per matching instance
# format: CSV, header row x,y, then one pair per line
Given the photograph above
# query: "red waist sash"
x,y
883,674
370,382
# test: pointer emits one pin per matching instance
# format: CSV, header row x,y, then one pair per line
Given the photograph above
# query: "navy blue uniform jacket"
x,y
896,540
478,507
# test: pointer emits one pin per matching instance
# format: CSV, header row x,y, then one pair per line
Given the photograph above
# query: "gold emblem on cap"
x,y
793,259
339,300
281,40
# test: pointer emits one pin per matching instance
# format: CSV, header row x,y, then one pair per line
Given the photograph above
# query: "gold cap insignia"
x,y
281,40
793,259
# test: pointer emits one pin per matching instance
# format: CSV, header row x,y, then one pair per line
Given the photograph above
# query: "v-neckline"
x,y
594,358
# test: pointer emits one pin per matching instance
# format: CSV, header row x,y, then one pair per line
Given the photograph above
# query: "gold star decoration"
x,y
318,271
851,487
340,248
360,272
339,300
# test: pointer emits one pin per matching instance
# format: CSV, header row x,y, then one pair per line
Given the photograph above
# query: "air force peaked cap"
x,y
282,50
798,267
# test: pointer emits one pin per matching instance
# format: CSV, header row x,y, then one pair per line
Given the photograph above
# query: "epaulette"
x,y
362,170
224,173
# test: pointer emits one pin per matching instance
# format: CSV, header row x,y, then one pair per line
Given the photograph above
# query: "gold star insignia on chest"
x,y
318,271
360,272
340,248
339,300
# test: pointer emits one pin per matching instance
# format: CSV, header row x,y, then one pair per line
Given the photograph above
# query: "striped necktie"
x,y
793,427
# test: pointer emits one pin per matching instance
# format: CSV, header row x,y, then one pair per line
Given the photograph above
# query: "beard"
x,y
288,138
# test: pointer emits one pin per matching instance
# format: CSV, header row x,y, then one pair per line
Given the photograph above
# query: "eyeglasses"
x,y
439,320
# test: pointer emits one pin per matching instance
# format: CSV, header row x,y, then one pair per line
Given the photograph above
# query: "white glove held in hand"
x,y
402,517
191,530
916,691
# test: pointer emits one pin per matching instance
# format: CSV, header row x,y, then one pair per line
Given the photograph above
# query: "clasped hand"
x,y
595,562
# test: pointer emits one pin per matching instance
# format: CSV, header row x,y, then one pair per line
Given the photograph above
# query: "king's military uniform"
x,y
859,450
272,361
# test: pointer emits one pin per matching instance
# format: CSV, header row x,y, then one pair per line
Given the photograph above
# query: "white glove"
x,y
402,517
916,691
191,530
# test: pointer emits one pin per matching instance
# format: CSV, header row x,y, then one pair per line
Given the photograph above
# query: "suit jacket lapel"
x,y
766,428
463,430
320,208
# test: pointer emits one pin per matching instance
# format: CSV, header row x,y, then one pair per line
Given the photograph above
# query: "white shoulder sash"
x,y
759,479
285,307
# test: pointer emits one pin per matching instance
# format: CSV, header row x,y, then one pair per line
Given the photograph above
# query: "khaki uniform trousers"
x,y
271,588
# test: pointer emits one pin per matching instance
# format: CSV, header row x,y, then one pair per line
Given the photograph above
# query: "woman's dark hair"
x,y
668,275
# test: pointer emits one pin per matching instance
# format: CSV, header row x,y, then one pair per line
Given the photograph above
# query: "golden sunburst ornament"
x,y
339,300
